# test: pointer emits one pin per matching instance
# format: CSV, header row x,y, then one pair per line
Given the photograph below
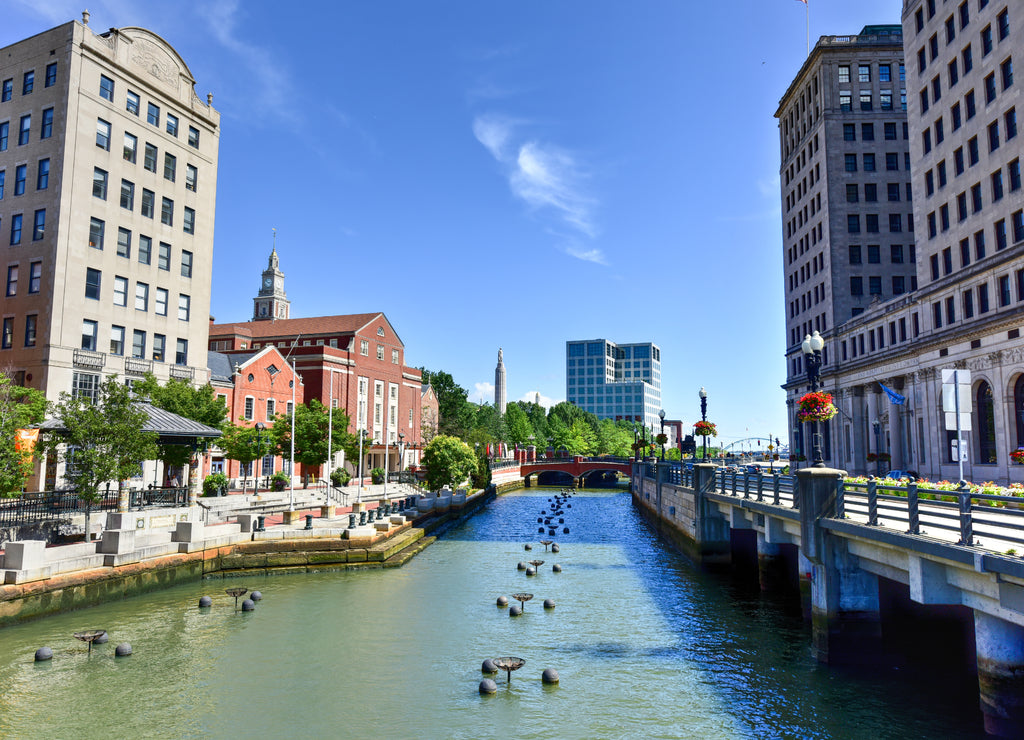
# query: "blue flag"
x,y
894,397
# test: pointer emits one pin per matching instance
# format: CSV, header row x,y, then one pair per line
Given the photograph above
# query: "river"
x,y
646,647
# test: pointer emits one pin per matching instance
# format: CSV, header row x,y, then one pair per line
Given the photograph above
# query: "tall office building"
x,y
614,381
108,176
500,399
967,308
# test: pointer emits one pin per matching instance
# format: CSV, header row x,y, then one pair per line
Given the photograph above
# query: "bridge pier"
x,y
771,566
1000,651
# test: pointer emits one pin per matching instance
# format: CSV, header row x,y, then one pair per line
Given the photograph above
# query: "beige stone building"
x,y
108,179
968,306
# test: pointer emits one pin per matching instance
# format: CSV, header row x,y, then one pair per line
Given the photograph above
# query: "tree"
x,y
244,444
455,418
518,424
103,440
448,461
311,424
581,439
614,438
20,407
184,399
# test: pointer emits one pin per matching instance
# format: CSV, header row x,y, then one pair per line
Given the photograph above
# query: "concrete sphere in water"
x,y
531,571
205,601
123,650
488,667
487,686
256,596
521,565
102,639
550,675
555,548
44,653
515,611
502,601
556,568
540,530
565,530
527,547
549,603
540,520
248,605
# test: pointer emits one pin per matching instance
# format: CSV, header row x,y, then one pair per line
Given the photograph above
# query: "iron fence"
x,y
41,506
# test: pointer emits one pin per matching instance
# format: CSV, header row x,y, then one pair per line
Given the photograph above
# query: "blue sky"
x,y
508,174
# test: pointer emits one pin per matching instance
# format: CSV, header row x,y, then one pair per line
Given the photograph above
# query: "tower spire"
x,y
499,384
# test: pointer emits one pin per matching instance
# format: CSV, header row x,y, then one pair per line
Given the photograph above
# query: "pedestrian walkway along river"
x,y
645,646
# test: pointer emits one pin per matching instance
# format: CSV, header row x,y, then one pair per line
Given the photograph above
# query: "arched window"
x,y
1018,409
986,424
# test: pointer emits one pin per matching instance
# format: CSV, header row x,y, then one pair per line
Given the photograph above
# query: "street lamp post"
x,y
359,491
704,417
260,426
401,455
812,346
661,415
877,426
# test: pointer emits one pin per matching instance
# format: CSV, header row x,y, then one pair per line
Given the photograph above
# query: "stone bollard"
x,y
362,518
351,521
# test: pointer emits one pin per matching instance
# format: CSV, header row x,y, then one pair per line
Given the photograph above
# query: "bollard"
x,y
362,517
309,521
351,521
260,526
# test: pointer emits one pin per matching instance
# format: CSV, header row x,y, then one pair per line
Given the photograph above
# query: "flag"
x,y
802,1
894,397
25,440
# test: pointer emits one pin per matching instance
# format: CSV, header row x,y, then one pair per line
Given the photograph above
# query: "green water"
x,y
646,647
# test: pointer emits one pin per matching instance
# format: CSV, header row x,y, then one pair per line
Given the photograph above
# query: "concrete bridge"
x,y
843,546
576,466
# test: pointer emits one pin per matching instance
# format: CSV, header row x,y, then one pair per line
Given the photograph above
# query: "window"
x,y
865,100
979,245
163,257
1018,226
25,129
976,201
885,99
149,159
28,82
20,175
924,99
986,40
89,333
961,206
892,162
983,298
874,255
947,260
181,355
124,242
46,131
159,347
954,72
890,131
380,351
853,224
106,88
12,280
167,212
1014,170
394,357
855,254
871,223
852,194
851,162
193,137
926,140
103,134
42,176
1006,70
954,116
968,304
120,291
893,190
270,408
93,278
936,89
929,183
127,194
153,115
35,277
1010,120
117,340
99,183
139,344
856,285
5,128
184,307
944,216
172,125
16,229
885,73
170,166
132,104
186,263
972,150
869,162
131,147
1003,286
997,185
7,90
863,73
141,297
898,285
189,221
990,88
30,330
895,223
148,203
39,224
875,285
145,250
1000,229
1003,24
160,302
96,230
849,132
191,177
969,105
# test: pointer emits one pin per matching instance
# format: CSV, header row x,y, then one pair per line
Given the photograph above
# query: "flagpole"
x,y
807,15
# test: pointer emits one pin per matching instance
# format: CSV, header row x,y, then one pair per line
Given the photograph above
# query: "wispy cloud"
x,y
542,175
482,393
545,401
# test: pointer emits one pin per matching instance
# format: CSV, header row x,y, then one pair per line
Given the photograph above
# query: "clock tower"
x,y
271,302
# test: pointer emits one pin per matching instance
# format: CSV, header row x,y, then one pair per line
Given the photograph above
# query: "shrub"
x,y
279,482
214,484
377,475
340,477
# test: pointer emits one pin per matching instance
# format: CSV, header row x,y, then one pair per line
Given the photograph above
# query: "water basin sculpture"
x,y
537,563
510,664
90,636
236,591
522,599
546,543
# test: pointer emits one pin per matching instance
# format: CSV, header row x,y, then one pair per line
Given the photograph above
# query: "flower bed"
x,y
945,490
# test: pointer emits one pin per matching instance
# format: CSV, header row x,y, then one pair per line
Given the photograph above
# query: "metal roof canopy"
x,y
170,428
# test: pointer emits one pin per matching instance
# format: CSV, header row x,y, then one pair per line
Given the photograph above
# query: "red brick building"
x,y
255,386
355,363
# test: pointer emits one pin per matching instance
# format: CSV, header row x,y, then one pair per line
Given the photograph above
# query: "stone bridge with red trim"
x,y
578,467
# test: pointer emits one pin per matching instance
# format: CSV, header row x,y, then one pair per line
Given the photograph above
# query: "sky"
x,y
508,174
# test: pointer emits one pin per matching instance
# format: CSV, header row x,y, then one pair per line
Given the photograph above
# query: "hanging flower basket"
x,y
705,429
816,406
661,439
1018,455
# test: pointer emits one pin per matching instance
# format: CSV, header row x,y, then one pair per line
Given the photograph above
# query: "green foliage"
x,y
214,484
581,439
19,408
377,475
280,481
456,419
103,441
517,424
340,477
481,478
244,444
182,398
311,422
614,438
448,461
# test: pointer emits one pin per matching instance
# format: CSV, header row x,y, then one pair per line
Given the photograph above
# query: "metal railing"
x,y
49,506
158,497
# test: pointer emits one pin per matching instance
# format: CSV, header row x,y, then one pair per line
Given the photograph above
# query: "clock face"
x,y
267,282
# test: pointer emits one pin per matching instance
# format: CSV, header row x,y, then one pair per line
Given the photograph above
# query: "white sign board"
x,y
965,422
949,398
962,447
956,395
961,376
